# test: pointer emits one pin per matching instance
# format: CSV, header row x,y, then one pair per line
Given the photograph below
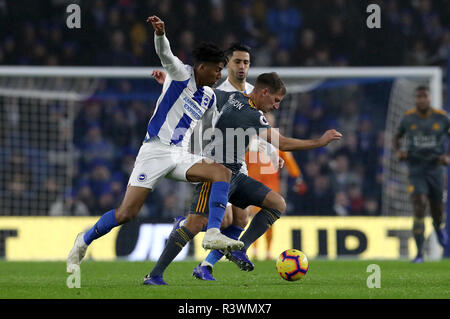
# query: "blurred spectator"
x,y
95,147
356,199
349,116
68,205
118,129
265,55
343,177
418,55
319,199
17,197
106,200
170,207
284,20
371,207
306,49
119,35
86,196
47,194
341,204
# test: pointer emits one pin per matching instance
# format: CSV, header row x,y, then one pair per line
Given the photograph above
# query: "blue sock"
x,y
231,231
102,227
218,200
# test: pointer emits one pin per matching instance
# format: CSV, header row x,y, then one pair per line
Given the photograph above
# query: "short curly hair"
x,y
209,52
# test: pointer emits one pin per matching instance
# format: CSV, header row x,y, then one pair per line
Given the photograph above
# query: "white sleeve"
x,y
174,67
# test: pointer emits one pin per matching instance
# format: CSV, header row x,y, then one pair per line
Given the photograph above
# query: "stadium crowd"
x,y
342,180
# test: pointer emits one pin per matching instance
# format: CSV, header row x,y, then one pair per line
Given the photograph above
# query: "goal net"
x,y
72,133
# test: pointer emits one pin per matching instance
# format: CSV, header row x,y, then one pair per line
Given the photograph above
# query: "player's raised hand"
x,y
158,24
159,76
329,136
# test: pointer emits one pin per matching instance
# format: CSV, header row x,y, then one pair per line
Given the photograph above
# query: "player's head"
x,y
268,92
422,96
238,61
209,60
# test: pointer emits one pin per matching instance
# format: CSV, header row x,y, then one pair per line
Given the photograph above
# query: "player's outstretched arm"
x,y
174,67
295,144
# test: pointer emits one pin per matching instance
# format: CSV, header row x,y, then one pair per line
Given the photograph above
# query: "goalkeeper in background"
x,y
426,130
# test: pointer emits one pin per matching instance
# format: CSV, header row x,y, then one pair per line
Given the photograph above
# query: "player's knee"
x,y
419,204
241,220
125,214
195,223
221,173
279,203
227,218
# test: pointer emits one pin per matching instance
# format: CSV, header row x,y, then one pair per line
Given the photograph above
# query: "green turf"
x,y
325,279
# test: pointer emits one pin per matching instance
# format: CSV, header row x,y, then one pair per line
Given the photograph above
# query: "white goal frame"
x,y
435,73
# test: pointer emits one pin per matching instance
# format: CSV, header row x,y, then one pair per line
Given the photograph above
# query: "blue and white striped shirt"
x,y
181,104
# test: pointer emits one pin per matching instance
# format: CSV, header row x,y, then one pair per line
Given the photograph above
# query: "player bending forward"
x,y
185,98
240,117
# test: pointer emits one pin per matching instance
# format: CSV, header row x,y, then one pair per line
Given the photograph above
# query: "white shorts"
x,y
156,160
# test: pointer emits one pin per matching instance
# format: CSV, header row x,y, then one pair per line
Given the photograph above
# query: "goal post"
x,y
433,73
34,89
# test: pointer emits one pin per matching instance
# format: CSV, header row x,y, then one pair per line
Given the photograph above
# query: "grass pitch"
x,y
325,279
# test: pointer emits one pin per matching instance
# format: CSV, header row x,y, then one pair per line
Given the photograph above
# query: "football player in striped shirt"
x,y
185,97
235,218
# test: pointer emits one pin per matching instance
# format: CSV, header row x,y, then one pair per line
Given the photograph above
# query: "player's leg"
x,y
252,192
234,223
178,238
437,214
183,232
418,189
419,203
435,180
269,236
129,208
218,179
151,165
253,210
272,207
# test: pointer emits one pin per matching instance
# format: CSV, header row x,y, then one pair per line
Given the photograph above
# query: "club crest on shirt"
x,y
205,101
263,120
142,177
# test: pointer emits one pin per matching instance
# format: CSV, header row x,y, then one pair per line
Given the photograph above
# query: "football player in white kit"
x,y
186,96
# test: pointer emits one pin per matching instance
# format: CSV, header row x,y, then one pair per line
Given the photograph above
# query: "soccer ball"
x,y
292,265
